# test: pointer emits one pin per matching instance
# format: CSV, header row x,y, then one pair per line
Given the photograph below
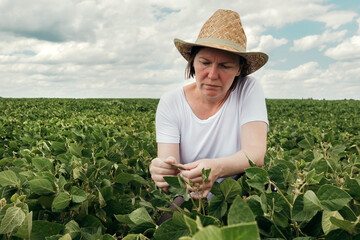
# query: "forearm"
x,y
238,162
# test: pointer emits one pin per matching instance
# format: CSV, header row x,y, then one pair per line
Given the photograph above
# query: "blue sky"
x,y
121,49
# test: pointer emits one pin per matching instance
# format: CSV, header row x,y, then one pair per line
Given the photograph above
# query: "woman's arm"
x,y
159,167
253,141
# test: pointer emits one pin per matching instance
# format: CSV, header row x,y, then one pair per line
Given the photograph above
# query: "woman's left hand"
x,y
193,172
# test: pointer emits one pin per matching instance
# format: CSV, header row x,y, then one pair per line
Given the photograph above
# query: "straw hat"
x,y
223,30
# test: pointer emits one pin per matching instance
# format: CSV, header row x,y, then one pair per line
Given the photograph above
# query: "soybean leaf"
x,y
230,188
205,174
258,178
209,232
174,227
78,195
351,227
13,218
299,213
332,198
61,201
75,150
42,164
311,202
24,230
217,207
42,186
248,231
240,212
191,224
136,217
73,229
8,178
326,224
127,177
42,229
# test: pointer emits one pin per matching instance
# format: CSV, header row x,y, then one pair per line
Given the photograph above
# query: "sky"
x,y
125,49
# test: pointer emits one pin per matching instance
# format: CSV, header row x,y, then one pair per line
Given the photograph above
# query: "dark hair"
x,y
190,70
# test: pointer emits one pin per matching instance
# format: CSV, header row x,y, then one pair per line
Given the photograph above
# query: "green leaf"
x,y
248,231
258,178
42,229
299,213
75,150
177,186
351,227
332,198
191,224
24,230
8,178
61,201
102,201
77,194
205,174
311,202
240,212
42,164
73,229
327,225
217,207
13,218
42,186
127,177
136,217
58,147
230,188
174,227
209,232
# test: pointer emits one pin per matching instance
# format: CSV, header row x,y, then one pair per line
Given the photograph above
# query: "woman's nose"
x,y
213,72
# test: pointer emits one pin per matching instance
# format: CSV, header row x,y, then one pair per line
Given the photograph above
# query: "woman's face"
x,y
215,71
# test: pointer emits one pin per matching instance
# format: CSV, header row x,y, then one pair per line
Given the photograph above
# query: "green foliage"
x,y
78,169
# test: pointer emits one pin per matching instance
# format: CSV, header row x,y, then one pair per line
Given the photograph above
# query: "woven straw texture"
x,y
223,30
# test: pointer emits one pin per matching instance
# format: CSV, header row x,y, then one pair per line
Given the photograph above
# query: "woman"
x,y
220,119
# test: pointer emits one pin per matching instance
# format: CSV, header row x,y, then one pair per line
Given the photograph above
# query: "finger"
x,y
162,184
158,178
164,171
189,166
170,159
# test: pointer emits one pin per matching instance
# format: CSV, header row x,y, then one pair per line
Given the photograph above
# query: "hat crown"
x,y
225,25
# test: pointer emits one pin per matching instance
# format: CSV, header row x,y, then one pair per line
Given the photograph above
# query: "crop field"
x,y
78,169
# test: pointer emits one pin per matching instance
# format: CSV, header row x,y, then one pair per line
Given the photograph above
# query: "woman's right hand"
x,y
160,168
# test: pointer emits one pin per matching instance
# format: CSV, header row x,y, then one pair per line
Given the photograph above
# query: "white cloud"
x,y
335,19
90,48
318,41
339,81
349,49
268,43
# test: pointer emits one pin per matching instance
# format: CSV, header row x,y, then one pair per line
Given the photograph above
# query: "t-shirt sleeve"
x,y
253,107
167,130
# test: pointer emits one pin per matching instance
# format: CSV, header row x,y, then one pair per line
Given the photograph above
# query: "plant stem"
x,y
281,194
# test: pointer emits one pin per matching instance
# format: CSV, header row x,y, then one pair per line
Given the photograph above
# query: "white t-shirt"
x,y
217,136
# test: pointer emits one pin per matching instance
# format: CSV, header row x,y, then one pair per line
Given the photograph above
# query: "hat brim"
x,y
254,60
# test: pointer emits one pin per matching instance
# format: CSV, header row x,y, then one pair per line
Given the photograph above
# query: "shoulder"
x,y
248,84
172,96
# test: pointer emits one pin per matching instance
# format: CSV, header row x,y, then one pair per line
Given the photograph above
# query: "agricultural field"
x,y
78,169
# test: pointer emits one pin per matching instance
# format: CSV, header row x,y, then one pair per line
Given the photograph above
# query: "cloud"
x,y
125,48
335,19
268,43
347,50
318,41
338,81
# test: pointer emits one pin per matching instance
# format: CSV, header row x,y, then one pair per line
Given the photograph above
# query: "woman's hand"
x,y
160,168
193,172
